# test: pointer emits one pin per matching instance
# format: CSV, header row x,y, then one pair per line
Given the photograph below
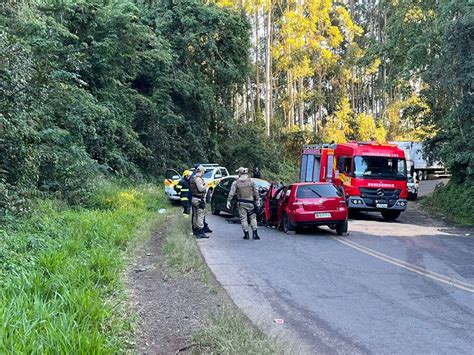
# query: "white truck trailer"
x,y
417,164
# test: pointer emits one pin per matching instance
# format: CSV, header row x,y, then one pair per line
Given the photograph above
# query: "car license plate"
x,y
322,215
381,205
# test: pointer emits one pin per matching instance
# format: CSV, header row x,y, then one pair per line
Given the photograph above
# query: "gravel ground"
x,y
171,307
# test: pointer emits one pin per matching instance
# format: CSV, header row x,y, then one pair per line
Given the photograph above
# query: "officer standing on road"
x,y
206,225
183,189
198,192
247,201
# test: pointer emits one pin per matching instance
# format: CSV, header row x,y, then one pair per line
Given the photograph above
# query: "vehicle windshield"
x,y
380,168
208,174
317,191
262,184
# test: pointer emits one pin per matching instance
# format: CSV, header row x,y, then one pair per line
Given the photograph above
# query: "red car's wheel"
x,y
341,229
287,225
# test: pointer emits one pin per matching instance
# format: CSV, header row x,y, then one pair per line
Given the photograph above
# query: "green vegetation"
x,y
431,70
128,87
230,333
61,289
180,249
455,200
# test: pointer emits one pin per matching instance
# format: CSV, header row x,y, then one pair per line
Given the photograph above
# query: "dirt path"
x,y
171,307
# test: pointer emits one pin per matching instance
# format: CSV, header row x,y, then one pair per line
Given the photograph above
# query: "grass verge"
x,y
180,248
229,331
61,286
455,200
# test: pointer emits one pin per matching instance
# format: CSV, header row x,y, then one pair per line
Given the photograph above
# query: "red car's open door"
x,y
268,204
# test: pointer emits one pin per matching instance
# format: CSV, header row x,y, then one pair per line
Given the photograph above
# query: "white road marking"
x,y
410,267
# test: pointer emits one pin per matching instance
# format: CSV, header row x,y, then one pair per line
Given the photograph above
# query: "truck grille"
x,y
372,196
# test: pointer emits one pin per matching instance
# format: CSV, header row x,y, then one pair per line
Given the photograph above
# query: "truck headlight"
x,y
357,201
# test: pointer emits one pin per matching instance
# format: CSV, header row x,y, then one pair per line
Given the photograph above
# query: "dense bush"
x,y
121,88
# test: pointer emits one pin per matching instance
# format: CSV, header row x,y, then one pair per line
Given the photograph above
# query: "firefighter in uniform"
x,y
182,188
198,193
247,201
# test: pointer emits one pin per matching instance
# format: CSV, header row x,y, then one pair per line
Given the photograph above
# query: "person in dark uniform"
x,y
182,188
256,173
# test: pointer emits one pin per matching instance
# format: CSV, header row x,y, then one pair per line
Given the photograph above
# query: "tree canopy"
x,y
130,87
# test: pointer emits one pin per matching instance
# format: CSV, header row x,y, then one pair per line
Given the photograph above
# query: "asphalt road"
x,y
405,287
427,186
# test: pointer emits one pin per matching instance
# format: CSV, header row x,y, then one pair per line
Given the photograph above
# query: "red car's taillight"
x,y
342,204
297,204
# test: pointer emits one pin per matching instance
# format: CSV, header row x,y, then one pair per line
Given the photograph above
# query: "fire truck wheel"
x,y
391,215
287,225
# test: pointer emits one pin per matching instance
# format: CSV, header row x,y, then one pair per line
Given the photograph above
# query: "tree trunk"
x,y
301,102
257,63
289,83
252,101
268,72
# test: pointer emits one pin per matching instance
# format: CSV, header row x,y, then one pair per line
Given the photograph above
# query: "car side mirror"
x,y
217,176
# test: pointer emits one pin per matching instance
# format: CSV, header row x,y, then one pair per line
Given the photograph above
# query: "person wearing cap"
x,y
247,200
206,225
182,188
198,193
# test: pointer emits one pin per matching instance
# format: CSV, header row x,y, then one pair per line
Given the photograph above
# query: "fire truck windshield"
x,y
380,168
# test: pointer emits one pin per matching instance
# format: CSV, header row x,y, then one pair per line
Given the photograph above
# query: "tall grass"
x,y
230,333
180,249
60,273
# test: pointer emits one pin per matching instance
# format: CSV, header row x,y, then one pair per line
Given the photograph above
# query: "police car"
x,y
172,178
213,174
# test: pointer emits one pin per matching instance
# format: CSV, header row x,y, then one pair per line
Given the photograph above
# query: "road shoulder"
x,y
170,307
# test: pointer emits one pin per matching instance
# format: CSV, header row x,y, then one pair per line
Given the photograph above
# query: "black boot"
x,y
255,235
246,235
201,234
206,229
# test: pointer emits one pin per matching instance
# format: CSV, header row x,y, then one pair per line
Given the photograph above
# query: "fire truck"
x,y
372,176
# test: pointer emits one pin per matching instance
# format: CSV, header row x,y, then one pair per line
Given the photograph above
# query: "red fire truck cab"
x,y
372,175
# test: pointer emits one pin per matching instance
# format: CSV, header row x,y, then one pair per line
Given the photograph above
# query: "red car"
x,y
306,204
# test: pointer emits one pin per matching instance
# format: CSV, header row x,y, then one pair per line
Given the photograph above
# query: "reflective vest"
x,y
183,189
